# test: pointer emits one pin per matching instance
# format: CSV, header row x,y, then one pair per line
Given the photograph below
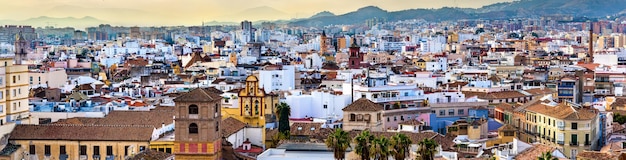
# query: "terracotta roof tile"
x,y
595,155
539,91
505,107
305,129
155,118
231,126
411,122
563,111
200,95
534,152
150,154
82,132
363,104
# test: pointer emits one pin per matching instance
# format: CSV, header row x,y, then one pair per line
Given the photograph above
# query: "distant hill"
x,y
522,8
57,22
323,14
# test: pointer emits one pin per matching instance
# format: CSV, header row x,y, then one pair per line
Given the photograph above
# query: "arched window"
x,y
193,128
193,109
256,107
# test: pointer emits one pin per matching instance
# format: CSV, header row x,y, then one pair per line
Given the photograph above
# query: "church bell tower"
x,y
20,48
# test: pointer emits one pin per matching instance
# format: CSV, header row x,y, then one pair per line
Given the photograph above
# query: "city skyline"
x,y
194,12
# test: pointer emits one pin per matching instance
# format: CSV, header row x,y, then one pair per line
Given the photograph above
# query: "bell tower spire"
x,y
20,48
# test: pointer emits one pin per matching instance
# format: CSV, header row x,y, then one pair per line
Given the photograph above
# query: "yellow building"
x,y
254,105
13,92
420,63
341,43
506,134
566,126
89,142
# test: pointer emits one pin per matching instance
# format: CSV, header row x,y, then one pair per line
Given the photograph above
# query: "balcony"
x,y
394,99
110,157
63,157
83,157
587,143
561,127
560,142
193,116
573,143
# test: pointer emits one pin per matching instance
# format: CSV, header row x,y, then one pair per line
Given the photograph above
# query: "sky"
x,y
187,12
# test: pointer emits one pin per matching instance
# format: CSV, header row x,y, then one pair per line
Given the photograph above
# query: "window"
x,y
442,112
46,150
96,150
217,126
193,109
83,150
32,149
451,112
461,111
168,150
109,150
193,128
574,126
62,150
217,108
388,119
126,150
325,106
14,79
352,117
574,140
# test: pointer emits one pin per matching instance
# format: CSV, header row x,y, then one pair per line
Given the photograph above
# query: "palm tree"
x,y
280,107
546,156
283,113
363,141
379,149
426,149
339,142
400,144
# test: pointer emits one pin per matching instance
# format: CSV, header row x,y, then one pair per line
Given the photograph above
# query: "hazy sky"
x,y
148,12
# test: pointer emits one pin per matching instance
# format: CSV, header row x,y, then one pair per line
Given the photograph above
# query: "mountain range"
x,y
504,10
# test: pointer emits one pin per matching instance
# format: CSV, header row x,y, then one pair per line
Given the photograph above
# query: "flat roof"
x,y
280,154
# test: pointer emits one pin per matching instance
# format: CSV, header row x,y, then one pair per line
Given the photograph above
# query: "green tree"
x,y
426,149
400,144
276,138
363,141
619,118
283,113
546,156
379,149
339,142
479,30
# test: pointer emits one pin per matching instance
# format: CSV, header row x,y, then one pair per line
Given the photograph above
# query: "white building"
x,y
318,104
277,80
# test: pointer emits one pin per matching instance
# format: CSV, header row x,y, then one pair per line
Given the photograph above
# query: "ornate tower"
x,y
20,48
354,59
323,47
255,105
198,120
